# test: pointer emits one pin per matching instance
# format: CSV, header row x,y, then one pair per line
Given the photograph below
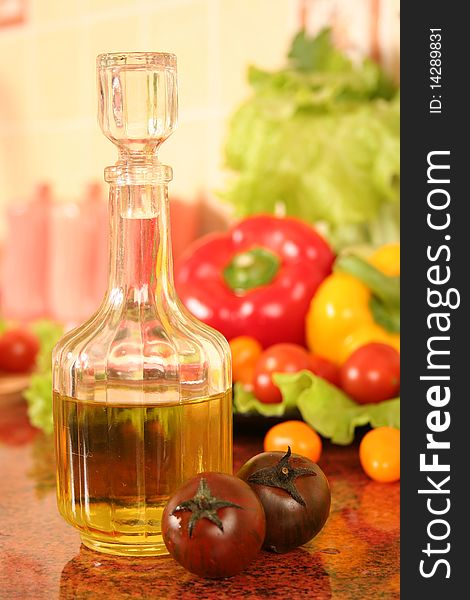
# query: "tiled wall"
x,y
48,127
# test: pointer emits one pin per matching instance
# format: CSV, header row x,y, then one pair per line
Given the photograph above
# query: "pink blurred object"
x,y
55,256
97,206
185,221
24,272
77,249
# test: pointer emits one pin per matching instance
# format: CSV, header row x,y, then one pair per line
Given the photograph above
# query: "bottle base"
x,y
156,548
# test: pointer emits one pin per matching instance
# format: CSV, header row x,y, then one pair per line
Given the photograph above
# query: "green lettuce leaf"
x,y
330,411
245,401
48,333
39,398
322,405
321,139
39,392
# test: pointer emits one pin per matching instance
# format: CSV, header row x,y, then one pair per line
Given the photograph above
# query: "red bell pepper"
x,y
256,279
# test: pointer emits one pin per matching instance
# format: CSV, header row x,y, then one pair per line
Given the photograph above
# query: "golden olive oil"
x,y
117,464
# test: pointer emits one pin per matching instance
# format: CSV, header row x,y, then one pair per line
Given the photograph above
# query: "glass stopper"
x,y
138,100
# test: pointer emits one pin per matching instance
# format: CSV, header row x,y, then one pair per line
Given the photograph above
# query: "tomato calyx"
x,y
282,475
203,505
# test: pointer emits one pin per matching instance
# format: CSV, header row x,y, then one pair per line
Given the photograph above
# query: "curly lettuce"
x,y
323,406
39,392
320,139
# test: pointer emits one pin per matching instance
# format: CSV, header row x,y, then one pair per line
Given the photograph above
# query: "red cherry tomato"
x,y
18,351
372,373
280,358
214,525
325,369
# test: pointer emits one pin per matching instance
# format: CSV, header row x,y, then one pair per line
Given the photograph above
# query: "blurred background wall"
x,y
48,129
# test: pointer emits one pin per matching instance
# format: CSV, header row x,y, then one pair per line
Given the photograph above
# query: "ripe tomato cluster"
x,y
379,450
216,524
370,374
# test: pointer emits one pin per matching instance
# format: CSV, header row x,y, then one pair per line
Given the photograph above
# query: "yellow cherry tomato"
x,y
387,259
301,438
379,454
245,353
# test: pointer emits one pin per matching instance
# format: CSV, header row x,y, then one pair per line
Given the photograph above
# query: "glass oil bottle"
x,y
142,390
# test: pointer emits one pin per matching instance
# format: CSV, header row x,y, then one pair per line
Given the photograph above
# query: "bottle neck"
x,y
141,263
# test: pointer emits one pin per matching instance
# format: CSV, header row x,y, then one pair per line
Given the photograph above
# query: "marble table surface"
x,y
355,557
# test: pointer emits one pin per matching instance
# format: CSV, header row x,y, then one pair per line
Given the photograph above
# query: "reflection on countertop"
x,y
355,556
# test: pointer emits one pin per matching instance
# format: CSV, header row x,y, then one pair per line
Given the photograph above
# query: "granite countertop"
x,y
356,556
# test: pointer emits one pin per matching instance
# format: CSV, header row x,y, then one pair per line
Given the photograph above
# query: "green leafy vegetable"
x,y
321,139
39,398
322,405
245,402
39,392
316,54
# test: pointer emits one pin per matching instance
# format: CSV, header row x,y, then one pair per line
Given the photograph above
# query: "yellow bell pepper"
x,y
352,307
387,259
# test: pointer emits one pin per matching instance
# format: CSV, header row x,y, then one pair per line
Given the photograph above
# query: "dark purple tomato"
x,y
295,495
214,525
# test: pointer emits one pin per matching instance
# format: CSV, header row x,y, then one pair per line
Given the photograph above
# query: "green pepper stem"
x,y
385,302
384,287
